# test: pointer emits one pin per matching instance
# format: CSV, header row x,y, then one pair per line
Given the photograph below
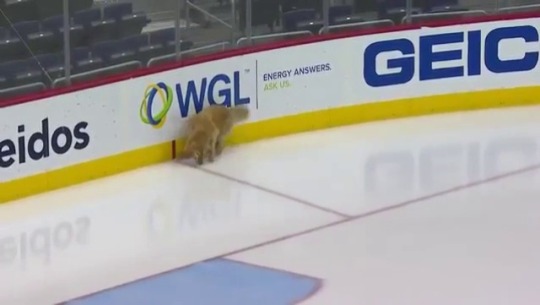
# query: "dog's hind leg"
x,y
210,153
211,147
199,156
219,145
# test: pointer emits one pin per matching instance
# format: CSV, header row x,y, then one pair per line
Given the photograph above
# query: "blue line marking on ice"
x,y
219,281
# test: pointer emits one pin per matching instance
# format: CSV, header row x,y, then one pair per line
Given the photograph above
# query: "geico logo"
x,y
39,144
470,162
483,50
43,242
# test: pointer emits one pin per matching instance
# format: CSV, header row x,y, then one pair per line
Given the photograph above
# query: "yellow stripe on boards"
x,y
83,172
371,112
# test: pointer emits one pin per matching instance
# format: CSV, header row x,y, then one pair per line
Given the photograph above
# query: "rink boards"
x,y
74,137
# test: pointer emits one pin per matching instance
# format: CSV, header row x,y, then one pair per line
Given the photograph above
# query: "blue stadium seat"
x,y
166,38
3,80
38,41
317,5
440,6
96,28
44,42
170,46
162,35
4,83
339,11
20,10
312,26
24,28
23,72
51,60
153,48
132,24
102,30
77,34
117,10
83,60
292,18
114,52
395,4
49,8
4,33
53,23
395,9
79,5
139,44
129,23
56,25
366,6
79,53
349,20
53,64
7,71
86,17
11,48
136,41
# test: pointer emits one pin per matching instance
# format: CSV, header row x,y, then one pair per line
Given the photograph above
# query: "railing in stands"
x,y
108,37
217,47
358,26
103,72
419,18
267,38
519,9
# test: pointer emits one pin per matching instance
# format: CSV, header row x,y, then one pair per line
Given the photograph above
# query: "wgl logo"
x,y
195,93
426,56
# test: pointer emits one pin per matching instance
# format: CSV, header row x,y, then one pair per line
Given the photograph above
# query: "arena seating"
x,y
339,11
108,38
32,48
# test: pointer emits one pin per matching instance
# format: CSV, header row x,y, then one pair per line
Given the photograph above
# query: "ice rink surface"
x,y
433,210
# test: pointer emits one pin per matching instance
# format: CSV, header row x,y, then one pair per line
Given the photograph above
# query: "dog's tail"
x,y
239,113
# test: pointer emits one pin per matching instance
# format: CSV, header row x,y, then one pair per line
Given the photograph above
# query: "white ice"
x,y
432,210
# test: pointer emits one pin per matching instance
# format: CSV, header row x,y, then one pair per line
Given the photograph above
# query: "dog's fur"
x,y
206,131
